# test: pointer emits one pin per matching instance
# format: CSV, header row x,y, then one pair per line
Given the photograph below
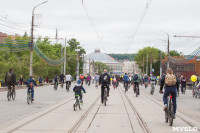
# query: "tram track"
x,y
142,123
161,105
80,121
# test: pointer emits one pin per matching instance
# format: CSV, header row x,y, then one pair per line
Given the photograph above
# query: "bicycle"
x,y
146,85
183,90
96,84
61,85
196,92
55,85
152,88
105,97
126,86
29,93
136,90
77,102
67,85
11,94
169,113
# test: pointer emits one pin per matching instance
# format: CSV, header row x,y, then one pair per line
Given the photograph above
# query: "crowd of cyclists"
x,y
170,82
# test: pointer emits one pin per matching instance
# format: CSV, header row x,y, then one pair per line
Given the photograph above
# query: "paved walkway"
x,y
124,113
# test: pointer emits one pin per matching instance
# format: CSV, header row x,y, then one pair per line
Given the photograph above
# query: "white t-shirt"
x,y
68,77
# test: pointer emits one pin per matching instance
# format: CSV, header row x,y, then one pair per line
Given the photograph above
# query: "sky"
x,y
108,24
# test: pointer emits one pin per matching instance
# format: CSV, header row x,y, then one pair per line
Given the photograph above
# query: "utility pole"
x,y
32,37
77,69
160,64
151,64
168,52
147,65
143,64
65,58
89,66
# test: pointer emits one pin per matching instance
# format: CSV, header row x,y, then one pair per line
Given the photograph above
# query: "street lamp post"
x,y
32,29
77,68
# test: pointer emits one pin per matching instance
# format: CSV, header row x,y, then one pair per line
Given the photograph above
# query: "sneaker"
x,y
33,99
107,94
174,117
165,108
81,101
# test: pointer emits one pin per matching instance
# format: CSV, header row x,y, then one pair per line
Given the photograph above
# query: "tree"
x,y
155,58
174,53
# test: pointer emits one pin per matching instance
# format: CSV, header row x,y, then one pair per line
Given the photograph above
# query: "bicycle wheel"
x,y
9,94
28,97
13,94
171,114
136,93
105,99
67,86
166,116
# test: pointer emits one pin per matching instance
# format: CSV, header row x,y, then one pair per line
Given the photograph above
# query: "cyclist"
x,y
10,79
56,78
171,85
29,81
146,80
152,82
136,80
88,79
68,79
104,80
82,79
114,82
40,80
78,88
96,78
62,78
126,80
183,83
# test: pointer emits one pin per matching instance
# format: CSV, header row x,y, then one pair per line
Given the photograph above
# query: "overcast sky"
x,y
114,21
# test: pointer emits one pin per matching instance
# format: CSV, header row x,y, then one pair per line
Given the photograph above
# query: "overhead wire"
x,y
138,25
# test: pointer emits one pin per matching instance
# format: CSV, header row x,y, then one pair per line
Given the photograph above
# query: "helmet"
x,y
79,81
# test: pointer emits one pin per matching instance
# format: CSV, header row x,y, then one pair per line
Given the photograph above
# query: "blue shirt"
x,y
30,81
126,78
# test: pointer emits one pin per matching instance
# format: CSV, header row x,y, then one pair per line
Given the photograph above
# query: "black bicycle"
x,y
105,97
55,85
136,90
169,113
11,94
61,84
152,88
67,85
29,93
126,86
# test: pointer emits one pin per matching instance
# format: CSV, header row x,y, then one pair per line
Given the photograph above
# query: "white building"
x,y
130,67
116,67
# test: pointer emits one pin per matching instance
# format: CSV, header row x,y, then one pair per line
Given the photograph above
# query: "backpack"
x,y
105,78
170,80
82,77
9,77
135,77
77,88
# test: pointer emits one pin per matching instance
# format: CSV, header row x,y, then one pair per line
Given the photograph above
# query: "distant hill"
x,y
123,56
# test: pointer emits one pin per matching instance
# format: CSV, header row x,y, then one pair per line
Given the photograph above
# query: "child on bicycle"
x,y
29,82
78,88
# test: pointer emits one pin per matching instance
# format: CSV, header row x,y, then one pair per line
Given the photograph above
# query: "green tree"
x,y
174,53
142,54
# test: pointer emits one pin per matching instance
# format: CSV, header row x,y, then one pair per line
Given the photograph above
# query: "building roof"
x,y
101,57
